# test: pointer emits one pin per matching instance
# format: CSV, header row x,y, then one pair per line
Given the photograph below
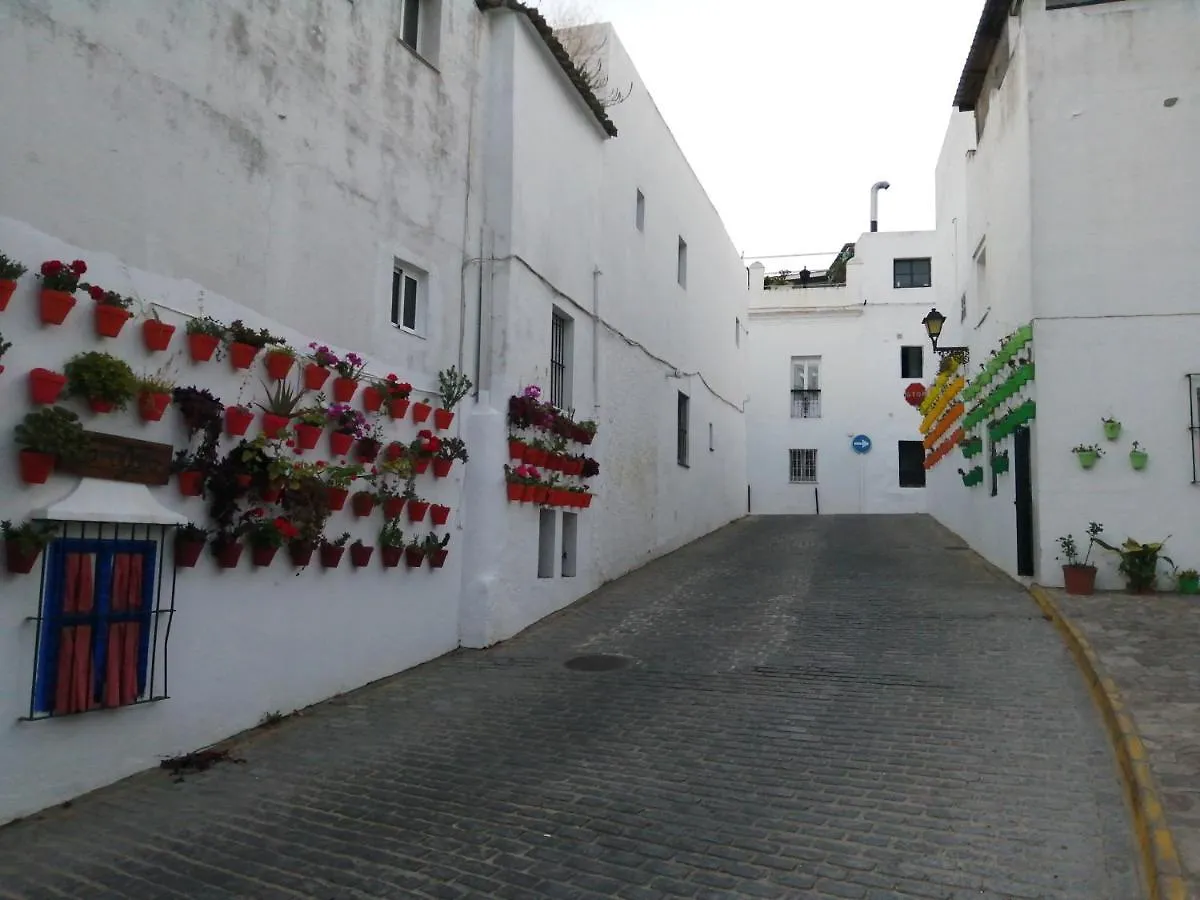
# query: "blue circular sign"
x,y
861,443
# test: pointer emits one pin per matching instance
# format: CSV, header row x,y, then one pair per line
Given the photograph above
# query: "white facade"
x,y
272,163
855,332
1066,200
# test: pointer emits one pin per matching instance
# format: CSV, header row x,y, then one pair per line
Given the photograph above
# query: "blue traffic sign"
x,y
861,443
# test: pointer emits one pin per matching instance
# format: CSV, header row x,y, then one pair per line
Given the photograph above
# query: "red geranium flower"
x,y
258,513
96,292
392,377
51,267
79,267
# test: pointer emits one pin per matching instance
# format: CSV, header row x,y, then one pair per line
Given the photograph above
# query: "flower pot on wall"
x,y
157,335
1138,459
360,555
417,510
398,409
273,493
395,450
237,420
421,465
262,557
36,468
372,399
340,443
439,514
1087,458
390,556
54,306
152,405
274,425
315,377
420,412
278,364
101,407
109,320
228,554
437,559
241,356
343,389
368,449
516,492
7,286
201,347
45,386
331,557
191,482
307,436
336,498
413,557
1112,430
1079,580
441,467
516,450
18,561
442,419
362,503
393,507
187,553
301,553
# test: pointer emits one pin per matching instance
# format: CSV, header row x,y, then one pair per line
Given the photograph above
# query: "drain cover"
x,y
601,662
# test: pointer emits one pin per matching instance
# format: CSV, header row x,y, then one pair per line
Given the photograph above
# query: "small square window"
x,y
682,265
911,362
641,211
408,298
802,466
912,273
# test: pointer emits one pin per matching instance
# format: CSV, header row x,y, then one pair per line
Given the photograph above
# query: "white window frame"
x,y
428,14
806,376
403,275
802,466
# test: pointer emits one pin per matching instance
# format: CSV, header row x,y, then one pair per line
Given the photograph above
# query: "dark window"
x,y
911,363
641,211
912,273
681,449
1066,4
681,263
411,26
405,290
912,464
560,330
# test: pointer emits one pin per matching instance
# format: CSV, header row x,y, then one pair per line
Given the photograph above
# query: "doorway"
x,y
1023,476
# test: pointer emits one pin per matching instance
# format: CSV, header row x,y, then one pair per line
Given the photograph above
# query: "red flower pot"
x,y
516,450
442,419
340,442
421,465
7,286
535,456
554,497
331,557
278,364
19,563
187,553
362,503
585,437
417,510
241,356
360,555
336,497
243,481
301,553
439,514
36,467
237,420
528,493
273,493
441,467
151,406
53,306
307,436
421,411
587,500
395,450
516,492
372,399
437,559
228,555
413,557
1079,579
273,425
392,507
315,377
398,409
109,320
368,449
157,335
100,406
263,556
541,494
343,389
201,347
45,386
391,556
191,481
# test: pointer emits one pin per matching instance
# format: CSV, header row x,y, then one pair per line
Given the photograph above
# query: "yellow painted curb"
x,y
1160,863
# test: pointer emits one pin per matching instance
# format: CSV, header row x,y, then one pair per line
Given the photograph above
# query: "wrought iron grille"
x,y
806,404
1194,424
802,466
558,360
681,438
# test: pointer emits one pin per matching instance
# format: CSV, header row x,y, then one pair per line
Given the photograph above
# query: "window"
x,y
561,353
419,27
711,446
681,441
570,542
802,466
640,215
912,273
806,387
407,296
681,264
912,464
410,22
547,521
911,362
962,308
737,332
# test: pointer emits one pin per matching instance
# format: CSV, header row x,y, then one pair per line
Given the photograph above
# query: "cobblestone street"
x,y
839,707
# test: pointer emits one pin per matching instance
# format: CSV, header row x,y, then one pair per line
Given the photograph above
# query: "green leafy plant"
x,y
30,537
1139,562
155,384
1088,448
282,399
206,325
340,541
452,448
433,543
453,386
106,297
58,276
240,333
10,269
55,431
1070,552
5,346
191,532
341,476
391,535
100,376
310,415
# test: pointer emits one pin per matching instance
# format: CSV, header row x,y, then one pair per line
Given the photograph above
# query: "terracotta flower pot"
x,y
301,553
191,482
336,498
331,557
340,442
228,555
109,320
541,494
187,553
54,306
344,389
237,420
45,386
398,409
394,451
362,503
273,425
307,436
420,412
528,492
372,399
585,437
439,514
278,364
417,510
391,556
7,286
157,335
100,406
151,406
393,507
263,556
368,449
360,555
587,500
413,557
273,493
241,356
201,347
442,419
441,467
554,497
516,450
1079,579
535,456
36,468
437,559
315,377
421,465
18,562
516,492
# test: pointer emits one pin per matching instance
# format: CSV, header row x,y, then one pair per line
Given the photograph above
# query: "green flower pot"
x,y
1112,430
1189,585
1138,459
1026,333
1087,459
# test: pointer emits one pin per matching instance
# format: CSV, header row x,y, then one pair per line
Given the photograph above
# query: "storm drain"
x,y
600,662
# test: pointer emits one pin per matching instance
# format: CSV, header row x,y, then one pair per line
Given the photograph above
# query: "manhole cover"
x,y
602,662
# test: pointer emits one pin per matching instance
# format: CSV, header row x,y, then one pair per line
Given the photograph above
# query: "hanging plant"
x,y
23,544
283,400
154,395
1138,457
204,336
111,312
10,271
59,284
1112,428
244,342
1088,454
333,550
47,436
189,544
104,380
279,361
156,334
453,386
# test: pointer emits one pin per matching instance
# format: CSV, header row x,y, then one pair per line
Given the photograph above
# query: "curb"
x,y
1160,863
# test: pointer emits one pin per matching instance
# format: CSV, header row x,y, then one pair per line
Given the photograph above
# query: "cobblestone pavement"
x,y
1148,646
816,707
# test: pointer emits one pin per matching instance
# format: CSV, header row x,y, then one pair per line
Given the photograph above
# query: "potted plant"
x,y
521,482
337,480
1112,428
347,425
202,414
305,504
360,554
453,386
227,549
5,346
10,271
244,342
1189,581
308,425
451,449
585,431
189,544
416,506
397,398
45,386
435,551
156,334
265,536
59,284
279,361
1000,463
333,550
423,450
349,368
282,402
390,495
203,337
375,394
516,448
1087,454
414,553
421,411
1139,563
362,503
1079,577
23,544
46,436
391,544
111,312
1138,457
439,514
316,369
104,380
370,442
238,419
154,395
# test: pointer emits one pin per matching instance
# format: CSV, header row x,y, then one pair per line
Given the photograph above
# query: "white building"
x,y
1067,199
427,189
830,363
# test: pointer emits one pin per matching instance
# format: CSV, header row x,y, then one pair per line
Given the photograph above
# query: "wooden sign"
x,y
116,458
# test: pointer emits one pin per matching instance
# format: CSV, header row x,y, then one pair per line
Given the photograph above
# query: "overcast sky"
x,y
789,110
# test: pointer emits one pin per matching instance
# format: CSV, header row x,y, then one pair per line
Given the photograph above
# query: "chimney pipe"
x,y
875,189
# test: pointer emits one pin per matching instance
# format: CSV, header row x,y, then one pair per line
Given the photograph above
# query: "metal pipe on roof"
x,y
875,189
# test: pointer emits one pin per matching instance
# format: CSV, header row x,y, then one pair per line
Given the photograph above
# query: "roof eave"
x,y
983,48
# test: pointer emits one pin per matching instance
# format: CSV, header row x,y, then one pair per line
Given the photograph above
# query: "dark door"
x,y
1023,475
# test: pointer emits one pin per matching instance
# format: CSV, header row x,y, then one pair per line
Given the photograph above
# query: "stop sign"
x,y
914,393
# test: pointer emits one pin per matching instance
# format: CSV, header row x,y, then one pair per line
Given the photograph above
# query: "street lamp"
x,y
933,323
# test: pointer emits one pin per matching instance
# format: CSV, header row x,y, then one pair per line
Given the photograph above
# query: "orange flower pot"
x,y
54,306
109,320
157,335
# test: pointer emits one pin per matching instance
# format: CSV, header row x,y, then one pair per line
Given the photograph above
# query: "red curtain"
x,y
121,665
73,688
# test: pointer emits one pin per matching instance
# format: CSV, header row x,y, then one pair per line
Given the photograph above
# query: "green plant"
x,y
1070,553
5,346
263,532
1139,561
306,502
30,537
58,276
589,426
341,476
284,349
238,332
1088,448
452,448
433,543
191,532
206,325
391,535
453,385
107,298
55,431
340,541
1187,574
100,376
10,269
154,384
310,415
282,399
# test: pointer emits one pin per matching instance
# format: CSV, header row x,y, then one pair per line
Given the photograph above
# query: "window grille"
x,y
558,360
681,448
803,466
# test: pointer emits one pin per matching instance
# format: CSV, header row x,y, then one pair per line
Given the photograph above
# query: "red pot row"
x,y
536,456
547,496
228,555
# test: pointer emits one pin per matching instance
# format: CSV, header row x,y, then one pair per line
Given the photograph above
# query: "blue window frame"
x,y
55,619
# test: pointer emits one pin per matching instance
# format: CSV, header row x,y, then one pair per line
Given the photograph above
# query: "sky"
x,y
789,110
